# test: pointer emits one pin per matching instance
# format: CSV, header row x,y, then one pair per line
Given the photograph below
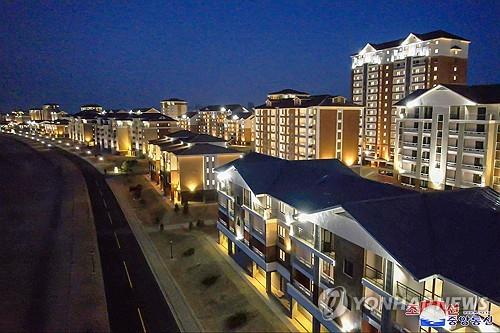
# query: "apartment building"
x,y
190,121
128,132
295,125
183,163
239,128
82,127
56,128
449,137
302,228
18,116
384,73
212,118
174,107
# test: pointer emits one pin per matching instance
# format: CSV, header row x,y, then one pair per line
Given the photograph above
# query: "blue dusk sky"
x,y
133,54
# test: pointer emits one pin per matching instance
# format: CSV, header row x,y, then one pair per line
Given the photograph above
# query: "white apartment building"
x,y
449,137
302,228
384,73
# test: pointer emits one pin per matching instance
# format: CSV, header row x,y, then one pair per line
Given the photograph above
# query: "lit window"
x,y
435,77
282,255
281,231
436,51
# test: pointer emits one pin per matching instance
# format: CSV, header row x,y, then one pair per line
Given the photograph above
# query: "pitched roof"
x,y
86,114
241,115
200,138
205,149
316,185
438,233
481,94
308,101
181,134
289,91
424,36
91,106
218,107
413,96
154,116
173,100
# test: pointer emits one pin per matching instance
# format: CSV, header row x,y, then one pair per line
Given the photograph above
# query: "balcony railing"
x,y
303,289
473,150
374,275
474,133
472,166
303,234
408,294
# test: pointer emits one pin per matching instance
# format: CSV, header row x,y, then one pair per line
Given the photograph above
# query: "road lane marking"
x,y
128,275
110,220
117,241
142,321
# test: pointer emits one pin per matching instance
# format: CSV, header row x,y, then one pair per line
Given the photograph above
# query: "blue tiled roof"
x,y
454,234
311,185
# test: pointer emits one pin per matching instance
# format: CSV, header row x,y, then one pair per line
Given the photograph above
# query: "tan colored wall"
x,y
327,130
350,136
123,139
191,172
225,158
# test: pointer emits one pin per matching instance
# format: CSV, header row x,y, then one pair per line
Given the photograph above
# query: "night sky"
x,y
134,55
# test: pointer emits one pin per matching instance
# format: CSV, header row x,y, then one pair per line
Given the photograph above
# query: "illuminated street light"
x,y
100,158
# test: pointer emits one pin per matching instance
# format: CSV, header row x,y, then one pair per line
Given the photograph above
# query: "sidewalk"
x,y
210,305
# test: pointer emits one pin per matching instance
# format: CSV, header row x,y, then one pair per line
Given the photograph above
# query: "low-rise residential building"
x,y
343,253
82,126
295,125
183,163
56,128
449,137
190,121
127,132
174,107
18,116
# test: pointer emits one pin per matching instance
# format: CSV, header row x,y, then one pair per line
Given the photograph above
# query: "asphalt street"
x,y
135,302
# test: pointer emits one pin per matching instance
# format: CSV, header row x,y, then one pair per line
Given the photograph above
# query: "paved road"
x,y
135,302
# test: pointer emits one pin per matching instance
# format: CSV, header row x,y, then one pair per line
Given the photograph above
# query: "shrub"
x,y
236,320
210,280
189,252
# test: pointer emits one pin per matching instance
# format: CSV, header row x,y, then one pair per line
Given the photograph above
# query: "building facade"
x,y
82,127
295,125
239,128
128,132
449,137
320,229
183,164
190,121
174,107
383,74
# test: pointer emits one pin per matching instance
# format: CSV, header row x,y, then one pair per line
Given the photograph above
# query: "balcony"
x,y
474,151
409,158
303,234
302,289
409,144
474,134
408,294
472,167
410,129
374,275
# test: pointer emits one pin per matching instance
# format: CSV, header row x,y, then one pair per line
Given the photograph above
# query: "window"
x,y
282,255
281,231
348,268
282,207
